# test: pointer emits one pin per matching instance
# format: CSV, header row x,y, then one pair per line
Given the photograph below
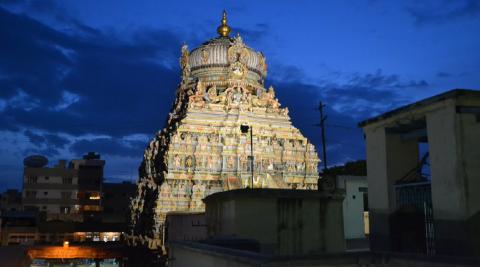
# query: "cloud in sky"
x,y
46,139
256,34
59,87
79,85
72,84
67,88
436,12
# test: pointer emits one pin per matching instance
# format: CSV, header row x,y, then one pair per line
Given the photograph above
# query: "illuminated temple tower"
x,y
203,150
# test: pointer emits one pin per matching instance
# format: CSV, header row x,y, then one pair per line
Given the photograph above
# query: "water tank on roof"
x,y
35,161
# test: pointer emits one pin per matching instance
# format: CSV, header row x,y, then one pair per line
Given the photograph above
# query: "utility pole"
x,y
251,152
322,125
245,129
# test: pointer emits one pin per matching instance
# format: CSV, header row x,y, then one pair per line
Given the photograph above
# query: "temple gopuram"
x,y
223,122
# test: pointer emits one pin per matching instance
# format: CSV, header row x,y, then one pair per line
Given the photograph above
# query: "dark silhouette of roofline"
x,y
455,93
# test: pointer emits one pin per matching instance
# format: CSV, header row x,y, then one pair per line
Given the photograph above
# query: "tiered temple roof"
x,y
203,150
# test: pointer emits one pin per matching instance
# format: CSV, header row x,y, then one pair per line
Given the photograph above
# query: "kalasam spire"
x,y
224,29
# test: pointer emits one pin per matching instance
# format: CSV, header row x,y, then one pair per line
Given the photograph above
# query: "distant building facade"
x,y
19,228
11,200
90,180
64,190
68,201
52,190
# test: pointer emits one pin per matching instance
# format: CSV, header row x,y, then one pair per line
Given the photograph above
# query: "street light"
x,y
244,129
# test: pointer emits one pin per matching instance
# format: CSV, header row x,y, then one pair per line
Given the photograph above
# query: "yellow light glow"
x,y
94,197
65,244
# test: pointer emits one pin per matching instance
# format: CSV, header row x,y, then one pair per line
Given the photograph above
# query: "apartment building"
x,y
63,191
52,190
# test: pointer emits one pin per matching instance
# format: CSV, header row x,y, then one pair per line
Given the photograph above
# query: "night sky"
x,y
79,76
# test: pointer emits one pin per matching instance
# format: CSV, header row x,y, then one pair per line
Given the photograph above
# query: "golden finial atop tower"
x,y
224,29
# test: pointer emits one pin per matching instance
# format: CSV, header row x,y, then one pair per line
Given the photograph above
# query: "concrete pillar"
x,y
389,158
454,144
470,151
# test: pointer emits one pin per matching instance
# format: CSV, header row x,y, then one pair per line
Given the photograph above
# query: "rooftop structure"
x,y
423,164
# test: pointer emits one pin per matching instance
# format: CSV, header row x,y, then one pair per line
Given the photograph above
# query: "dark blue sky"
x,y
79,76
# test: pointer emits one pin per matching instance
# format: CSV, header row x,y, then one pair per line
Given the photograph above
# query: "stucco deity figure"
x,y
270,99
165,190
197,99
228,99
212,97
237,97
230,162
176,161
189,162
184,64
270,165
188,138
210,162
202,141
244,162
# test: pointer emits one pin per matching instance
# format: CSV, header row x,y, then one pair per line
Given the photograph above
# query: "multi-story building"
x,y
90,179
52,190
66,202
63,192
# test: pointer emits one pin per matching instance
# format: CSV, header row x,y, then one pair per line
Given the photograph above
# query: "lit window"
x,y
94,196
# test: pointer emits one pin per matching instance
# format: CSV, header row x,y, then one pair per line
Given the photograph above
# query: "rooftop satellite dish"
x,y
35,161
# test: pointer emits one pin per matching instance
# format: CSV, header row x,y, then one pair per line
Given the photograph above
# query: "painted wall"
x,y
353,206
